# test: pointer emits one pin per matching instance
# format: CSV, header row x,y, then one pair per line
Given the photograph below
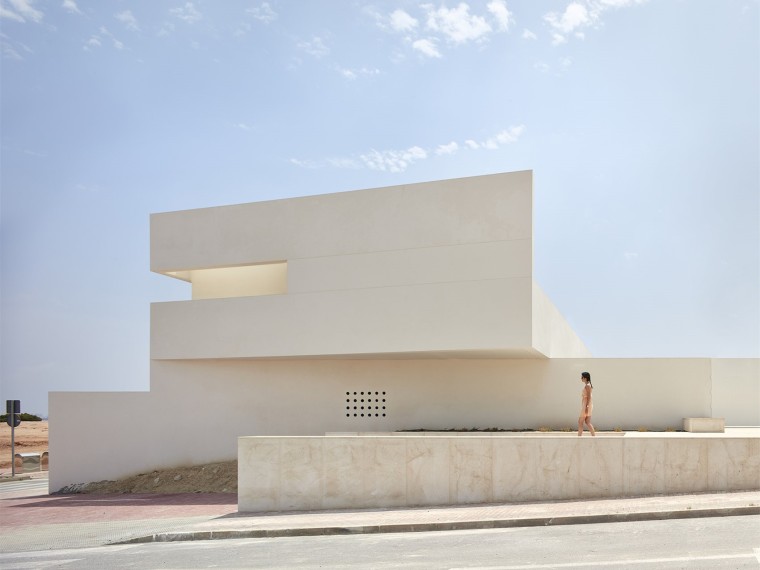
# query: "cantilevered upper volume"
x,y
437,269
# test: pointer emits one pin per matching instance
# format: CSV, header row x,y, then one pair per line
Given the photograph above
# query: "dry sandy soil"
x,y
211,478
30,436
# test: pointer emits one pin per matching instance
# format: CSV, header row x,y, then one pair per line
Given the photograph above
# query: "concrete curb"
x,y
442,526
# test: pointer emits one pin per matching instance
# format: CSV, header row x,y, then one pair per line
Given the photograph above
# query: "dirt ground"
x,y
210,478
29,436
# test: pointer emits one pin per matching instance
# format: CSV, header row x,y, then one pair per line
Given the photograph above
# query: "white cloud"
x,y
450,148
5,13
70,6
630,255
541,66
457,24
21,11
574,16
619,3
581,14
558,39
129,21
354,73
565,62
242,29
316,47
12,49
393,160
402,22
507,136
242,127
499,10
427,47
333,162
343,163
263,13
166,29
400,160
187,13
95,40
528,35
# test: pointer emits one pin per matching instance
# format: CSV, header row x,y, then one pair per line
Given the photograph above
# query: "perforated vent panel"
x,y
366,404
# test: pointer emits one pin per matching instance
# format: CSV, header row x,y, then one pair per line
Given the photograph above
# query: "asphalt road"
x,y
709,543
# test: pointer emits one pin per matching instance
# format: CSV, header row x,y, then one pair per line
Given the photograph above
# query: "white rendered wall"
x,y
458,316
420,270
196,410
552,335
459,211
736,391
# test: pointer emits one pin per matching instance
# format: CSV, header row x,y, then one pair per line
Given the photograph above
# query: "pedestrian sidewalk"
x,y
33,520
247,525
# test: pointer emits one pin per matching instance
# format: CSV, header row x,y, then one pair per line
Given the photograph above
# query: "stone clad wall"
x,y
305,473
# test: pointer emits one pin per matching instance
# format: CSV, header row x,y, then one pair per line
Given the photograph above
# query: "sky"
x,y
640,120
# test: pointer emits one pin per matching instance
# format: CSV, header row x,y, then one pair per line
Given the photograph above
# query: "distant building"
x,y
404,307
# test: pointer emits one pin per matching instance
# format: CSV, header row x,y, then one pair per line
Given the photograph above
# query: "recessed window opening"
x,y
241,281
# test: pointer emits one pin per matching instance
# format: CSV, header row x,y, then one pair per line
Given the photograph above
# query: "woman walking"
x,y
587,405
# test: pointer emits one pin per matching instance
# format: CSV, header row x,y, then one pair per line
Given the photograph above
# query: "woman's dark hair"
x,y
587,376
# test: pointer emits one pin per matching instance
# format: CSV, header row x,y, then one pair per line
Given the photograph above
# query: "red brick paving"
x,y
52,509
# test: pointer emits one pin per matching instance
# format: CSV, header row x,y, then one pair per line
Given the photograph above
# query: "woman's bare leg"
x,y
580,426
590,427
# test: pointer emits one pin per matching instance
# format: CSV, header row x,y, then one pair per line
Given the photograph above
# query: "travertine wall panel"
x,y
409,470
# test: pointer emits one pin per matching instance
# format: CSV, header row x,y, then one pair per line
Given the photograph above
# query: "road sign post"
x,y
13,418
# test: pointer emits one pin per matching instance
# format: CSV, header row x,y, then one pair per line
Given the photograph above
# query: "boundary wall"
x,y
341,472
196,410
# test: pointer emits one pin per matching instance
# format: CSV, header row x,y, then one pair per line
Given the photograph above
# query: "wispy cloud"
x,y
11,49
130,22
393,160
357,72
450,148
400,160
263,13
345,163
71,6
96,40
426,47
243,127
456,24
507,136
499,10
21,11
187,13
314,47
166,30
579,15
401,21
435,25
528,35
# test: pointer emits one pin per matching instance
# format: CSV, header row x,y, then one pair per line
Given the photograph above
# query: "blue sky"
x,y
640,120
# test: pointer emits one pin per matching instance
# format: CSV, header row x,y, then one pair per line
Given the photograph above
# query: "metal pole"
x,y
13,447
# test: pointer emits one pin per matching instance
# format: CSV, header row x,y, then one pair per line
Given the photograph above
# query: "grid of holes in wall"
x,y
366,404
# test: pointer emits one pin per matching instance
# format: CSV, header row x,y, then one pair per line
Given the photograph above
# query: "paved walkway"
x,y
33,520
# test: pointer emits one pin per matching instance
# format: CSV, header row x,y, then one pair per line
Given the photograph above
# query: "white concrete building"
x,y
371,311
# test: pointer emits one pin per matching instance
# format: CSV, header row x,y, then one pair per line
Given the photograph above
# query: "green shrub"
x,y
24,418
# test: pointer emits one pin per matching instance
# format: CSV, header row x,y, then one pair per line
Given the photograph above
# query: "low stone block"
x,y
704,425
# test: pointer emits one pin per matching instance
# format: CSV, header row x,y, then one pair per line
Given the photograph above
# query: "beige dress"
x,y
584,413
